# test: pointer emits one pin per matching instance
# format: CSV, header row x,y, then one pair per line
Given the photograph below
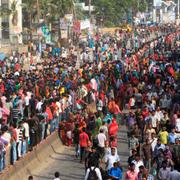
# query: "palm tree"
x,y
58,10
30,8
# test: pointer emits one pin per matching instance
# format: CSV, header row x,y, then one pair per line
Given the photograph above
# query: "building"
x,y
11,24
163,11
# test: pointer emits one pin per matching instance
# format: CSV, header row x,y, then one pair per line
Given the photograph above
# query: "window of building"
x,y
5,21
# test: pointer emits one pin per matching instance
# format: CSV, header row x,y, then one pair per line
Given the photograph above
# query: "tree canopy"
x,y
112,12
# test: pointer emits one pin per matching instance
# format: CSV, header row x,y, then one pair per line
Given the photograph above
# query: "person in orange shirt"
x,y
111,105
158,82
82,124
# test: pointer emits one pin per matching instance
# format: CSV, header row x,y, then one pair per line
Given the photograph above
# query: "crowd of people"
x,y
147,84
138,71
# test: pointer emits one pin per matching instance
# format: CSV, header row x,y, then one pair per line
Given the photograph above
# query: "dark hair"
x,y
30,178
83,129
108,121
132,164
164,162
101,131
92,162
141,167
56,174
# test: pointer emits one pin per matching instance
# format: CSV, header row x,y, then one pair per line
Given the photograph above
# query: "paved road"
x,y
64,161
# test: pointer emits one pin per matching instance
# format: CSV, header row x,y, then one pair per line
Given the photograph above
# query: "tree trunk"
x,y
59,29
30,26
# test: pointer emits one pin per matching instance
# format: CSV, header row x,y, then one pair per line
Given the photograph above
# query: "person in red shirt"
x,y
145,112
113,128
83,142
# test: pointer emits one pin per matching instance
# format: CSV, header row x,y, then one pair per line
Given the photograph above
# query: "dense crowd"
x,y
138,71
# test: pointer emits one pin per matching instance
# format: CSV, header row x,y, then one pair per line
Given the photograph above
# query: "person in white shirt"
x,y
105,128
26,100
112,158
56,176
159,114
164,171
101,138
100,105
177,124
26,103
154,120
174,175
153,141
25,125
39,105
138,162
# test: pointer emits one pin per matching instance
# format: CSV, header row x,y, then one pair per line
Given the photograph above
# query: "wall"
x,y
22,168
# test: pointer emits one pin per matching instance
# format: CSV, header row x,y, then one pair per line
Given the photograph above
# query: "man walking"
x,y
83,142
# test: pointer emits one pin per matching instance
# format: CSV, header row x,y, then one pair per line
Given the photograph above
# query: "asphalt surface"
x,y
63,160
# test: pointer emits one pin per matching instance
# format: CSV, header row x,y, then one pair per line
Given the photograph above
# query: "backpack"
x,y
92,174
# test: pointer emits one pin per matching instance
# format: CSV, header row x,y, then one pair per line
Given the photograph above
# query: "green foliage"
x,y
111,13
79,13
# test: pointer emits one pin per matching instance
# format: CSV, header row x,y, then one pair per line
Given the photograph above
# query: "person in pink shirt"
x,y
131,174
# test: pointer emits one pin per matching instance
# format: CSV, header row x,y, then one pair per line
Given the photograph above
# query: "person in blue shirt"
x,y
115,173
172,136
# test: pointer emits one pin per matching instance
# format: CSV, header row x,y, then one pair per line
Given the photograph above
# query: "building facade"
x,y
11,24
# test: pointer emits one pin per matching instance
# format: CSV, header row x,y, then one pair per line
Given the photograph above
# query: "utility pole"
x,y
38,16
90,9
178,9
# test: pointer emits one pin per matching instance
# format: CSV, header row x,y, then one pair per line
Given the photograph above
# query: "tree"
x,y
49,10
79,13
58,9
112,12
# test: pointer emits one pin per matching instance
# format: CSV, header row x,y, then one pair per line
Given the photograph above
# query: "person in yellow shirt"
x,y
163,135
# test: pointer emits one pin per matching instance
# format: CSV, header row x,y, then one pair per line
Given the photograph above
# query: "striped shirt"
x,y
15,113
20,134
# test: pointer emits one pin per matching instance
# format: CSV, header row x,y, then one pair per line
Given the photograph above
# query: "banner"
x,y
85,24
63,24
69,19
64,34
46,33
66,21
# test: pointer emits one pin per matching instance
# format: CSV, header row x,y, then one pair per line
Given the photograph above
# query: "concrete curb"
x,y
32,160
